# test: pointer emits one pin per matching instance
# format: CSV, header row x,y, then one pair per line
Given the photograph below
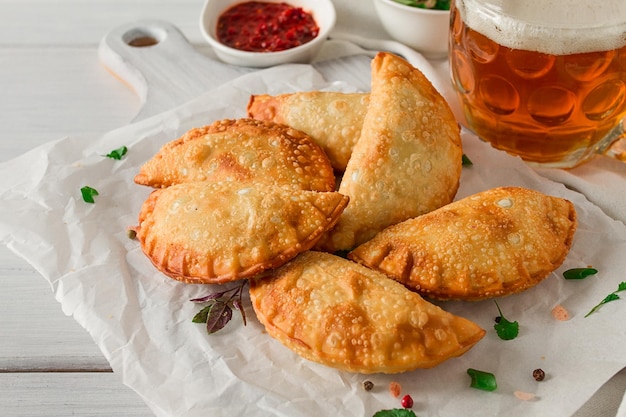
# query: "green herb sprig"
x,y
611,297
579,273
482,380
506,330
88,194
118,153
396,412
426,4
219,311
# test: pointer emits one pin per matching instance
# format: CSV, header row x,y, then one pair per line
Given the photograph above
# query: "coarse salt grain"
x,y
524,396
560,313
395,389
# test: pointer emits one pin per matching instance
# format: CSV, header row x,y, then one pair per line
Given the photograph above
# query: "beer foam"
x,y
557,27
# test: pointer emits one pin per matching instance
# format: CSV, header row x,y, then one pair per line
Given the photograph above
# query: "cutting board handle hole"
x,y
142,37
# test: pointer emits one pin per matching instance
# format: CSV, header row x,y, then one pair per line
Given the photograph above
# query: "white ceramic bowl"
x,y
424,30
323,12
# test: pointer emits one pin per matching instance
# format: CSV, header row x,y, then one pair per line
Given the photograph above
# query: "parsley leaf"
x,y
423,4
505,329
117,153
396,412
611,297
465,161
579,273
482,380
88,194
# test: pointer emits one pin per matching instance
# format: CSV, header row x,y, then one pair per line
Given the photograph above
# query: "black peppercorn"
x,y
368,385
539,374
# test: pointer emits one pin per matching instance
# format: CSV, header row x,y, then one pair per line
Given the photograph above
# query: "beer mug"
x,y
542,79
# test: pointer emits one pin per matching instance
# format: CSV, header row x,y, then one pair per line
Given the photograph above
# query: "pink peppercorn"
x,y
407,401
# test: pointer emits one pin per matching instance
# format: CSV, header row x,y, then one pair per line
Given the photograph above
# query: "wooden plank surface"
x,y
75,95
36,334
64,394
83,23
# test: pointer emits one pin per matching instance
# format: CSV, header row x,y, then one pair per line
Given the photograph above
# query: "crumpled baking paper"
x,y
141,320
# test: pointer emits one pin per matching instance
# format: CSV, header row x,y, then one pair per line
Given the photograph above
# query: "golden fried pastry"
x,y
407,160
494,243
341,314
241,150
333,120
206,232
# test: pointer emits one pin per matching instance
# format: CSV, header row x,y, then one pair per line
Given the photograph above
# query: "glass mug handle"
x,y
614,145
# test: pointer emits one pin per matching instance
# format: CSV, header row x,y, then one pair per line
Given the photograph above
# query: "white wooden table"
x,y
53,85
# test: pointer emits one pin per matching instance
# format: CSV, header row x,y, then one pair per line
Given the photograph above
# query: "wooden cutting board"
x,y
155,59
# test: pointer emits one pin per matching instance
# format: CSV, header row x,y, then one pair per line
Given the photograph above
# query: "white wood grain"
x,y
85,22
36,334
65,394
48,93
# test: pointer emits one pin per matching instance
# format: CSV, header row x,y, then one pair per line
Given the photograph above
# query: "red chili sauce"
x,y
265,27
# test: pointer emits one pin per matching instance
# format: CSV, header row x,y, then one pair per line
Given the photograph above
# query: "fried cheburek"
x,y
205,232
234,203
241,150
407,160
491,244
341,314
333,119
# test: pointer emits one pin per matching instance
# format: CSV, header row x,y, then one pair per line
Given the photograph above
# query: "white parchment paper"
x,y
141,320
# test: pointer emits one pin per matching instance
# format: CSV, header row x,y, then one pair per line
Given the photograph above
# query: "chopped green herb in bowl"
x,y
427,4
422,25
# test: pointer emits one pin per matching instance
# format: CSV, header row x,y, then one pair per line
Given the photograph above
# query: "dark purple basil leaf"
x,y
238,304
209,297
219,315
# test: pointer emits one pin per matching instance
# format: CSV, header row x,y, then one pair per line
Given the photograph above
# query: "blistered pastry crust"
x,y
241,150
407,160
341,314
203,232
333,119
491,244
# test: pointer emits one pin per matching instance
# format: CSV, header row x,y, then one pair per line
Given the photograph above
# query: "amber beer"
x,y
551,96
